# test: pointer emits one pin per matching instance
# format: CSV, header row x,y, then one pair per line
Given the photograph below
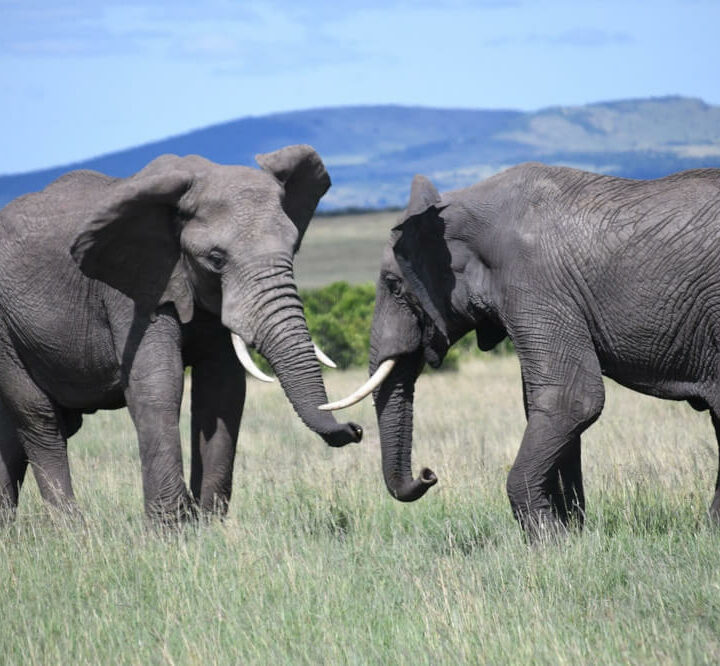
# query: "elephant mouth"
x,y
434,358
241,351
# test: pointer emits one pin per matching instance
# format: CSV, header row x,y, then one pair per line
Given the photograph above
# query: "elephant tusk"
x,y
366,389
323,357
244,357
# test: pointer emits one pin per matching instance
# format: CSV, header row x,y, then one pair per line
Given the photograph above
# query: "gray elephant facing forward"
x,y
109,287
589,275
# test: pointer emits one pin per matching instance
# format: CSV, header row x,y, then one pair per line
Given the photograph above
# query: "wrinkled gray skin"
x,y
588,275
109,287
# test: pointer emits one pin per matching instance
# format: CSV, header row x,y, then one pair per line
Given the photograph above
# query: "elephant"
x,y
587,274
110,287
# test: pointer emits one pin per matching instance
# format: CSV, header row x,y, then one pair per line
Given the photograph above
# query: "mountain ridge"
x,y
372,151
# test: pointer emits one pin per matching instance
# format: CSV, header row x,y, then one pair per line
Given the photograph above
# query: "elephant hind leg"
x,y
46,449
39,430
13,464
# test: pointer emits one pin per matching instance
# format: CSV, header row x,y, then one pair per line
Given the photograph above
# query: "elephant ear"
x,y
424,259
131,238
303,175
423,196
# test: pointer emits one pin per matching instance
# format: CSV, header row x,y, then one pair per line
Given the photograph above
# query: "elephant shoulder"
x,y
704,182
76,183
530,185
48,220
65,194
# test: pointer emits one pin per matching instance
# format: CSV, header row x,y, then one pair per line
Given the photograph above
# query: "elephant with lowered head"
x,y
589,275
110,287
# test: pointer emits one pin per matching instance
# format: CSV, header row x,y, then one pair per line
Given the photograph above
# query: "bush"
x,y
339,318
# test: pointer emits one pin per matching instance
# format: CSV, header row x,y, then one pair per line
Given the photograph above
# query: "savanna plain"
x,y
316,563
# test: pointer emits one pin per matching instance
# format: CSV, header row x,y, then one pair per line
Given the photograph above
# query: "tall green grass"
x,y
317,564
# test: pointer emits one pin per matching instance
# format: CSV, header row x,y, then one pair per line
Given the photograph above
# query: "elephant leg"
x,y
715,506
217,403
565,395
13,464
153,395
218,397
39,431
567,495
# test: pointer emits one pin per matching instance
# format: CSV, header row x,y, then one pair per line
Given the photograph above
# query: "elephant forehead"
x,y
239,181
215,198
389,262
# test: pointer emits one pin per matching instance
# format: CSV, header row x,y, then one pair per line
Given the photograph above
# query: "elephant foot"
x,y
173,516
66,514
215,510
569,513
714,512
7,513
542,527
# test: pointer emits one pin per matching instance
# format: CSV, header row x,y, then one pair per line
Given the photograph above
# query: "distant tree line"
x,y
356,210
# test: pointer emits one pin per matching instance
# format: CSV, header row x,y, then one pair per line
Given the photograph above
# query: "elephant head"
x,y
187,231
426,299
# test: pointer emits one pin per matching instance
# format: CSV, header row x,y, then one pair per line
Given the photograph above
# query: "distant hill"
x,y
372,152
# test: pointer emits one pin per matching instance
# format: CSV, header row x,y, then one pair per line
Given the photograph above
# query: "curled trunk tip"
x,y
413,489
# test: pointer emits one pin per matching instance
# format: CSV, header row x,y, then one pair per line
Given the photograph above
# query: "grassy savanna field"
x,y
317,564
347,247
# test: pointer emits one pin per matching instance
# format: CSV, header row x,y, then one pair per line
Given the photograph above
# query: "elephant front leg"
x,y
545,482
568,495
218,397
153,395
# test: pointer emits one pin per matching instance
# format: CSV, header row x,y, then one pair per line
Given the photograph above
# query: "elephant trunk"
x,y
394,409
284,340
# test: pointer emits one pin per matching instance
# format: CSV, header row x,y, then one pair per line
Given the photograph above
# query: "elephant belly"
x,y
654,309
77,370
668,388
77,385
88,393
672,363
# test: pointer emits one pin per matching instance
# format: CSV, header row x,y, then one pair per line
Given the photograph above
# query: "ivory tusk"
x,y
366,389
244,357
323,357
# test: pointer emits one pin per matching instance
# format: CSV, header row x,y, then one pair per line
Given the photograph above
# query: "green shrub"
x,y
339,318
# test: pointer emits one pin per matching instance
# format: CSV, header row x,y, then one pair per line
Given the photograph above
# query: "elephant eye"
x,y
394,285
217,259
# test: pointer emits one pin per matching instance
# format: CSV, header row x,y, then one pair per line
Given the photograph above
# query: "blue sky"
x,y
84,77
